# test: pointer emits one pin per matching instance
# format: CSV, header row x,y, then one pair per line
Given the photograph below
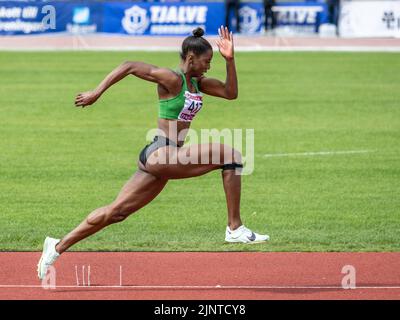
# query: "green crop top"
x,y
184,106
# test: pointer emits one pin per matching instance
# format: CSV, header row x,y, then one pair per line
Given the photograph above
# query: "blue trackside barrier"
x,y
149,18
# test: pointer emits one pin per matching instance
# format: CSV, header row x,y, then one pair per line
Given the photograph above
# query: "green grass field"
x,y
59,162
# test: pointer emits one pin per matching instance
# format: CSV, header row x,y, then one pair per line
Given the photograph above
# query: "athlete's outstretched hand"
x,y
85,99
225,43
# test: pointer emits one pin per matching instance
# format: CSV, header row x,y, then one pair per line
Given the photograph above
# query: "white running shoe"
x,y
244,235
49,256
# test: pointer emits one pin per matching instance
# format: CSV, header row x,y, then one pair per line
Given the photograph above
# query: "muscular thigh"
x,y
207,153
189,161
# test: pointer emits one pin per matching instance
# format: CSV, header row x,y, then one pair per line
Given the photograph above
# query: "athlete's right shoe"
x,y
244,235
49,256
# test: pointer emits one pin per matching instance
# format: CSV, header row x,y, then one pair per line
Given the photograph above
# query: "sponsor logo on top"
x,y
81,15
135,20
297,14
390,20
81,21
27,19
164,19
250,21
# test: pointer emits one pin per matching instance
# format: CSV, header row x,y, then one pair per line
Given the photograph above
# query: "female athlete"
x,y
180,99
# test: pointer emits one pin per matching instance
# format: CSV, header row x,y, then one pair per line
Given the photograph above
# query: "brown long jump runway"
x,y
202,275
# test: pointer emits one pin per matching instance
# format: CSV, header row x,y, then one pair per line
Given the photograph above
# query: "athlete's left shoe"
x,y
49,256
244,235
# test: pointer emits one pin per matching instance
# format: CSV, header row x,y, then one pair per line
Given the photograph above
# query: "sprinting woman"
x,y
180,99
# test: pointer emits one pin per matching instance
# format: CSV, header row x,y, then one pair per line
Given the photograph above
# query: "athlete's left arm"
x,y
214,87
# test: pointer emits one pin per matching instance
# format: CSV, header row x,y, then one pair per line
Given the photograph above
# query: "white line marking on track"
x,y
76,275
82,40
83,275
201,287
120,276
286,43
88,275
319,153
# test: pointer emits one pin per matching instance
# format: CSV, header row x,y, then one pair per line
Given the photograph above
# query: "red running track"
x,y
202,275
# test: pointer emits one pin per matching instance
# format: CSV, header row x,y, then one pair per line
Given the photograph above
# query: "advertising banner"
x,y
162,18
36,17
370,19
148,18
26,18
251,18
301,18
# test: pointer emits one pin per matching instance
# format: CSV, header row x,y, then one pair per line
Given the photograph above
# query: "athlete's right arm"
x,y
162,76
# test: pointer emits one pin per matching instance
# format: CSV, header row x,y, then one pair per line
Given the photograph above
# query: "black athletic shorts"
x,y
158,142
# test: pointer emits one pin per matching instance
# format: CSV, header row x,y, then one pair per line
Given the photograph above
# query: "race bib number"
x,y
193,104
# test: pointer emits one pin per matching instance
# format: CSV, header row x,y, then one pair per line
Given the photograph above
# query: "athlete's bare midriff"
x,y
174,130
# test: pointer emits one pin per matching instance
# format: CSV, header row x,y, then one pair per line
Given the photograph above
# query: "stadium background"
x,y
58,163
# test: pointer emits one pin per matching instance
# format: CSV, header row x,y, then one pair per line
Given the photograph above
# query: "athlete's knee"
x,y
110,214
98,217
118,212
